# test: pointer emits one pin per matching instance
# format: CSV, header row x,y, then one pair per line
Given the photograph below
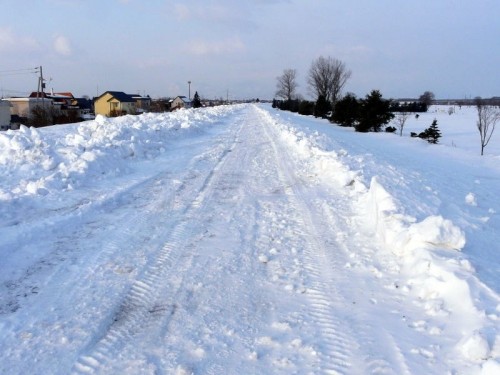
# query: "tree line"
x,y
326,79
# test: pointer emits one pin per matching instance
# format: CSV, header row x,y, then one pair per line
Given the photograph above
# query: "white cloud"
x,y
199,47
9,42
62,45
182,12
204,12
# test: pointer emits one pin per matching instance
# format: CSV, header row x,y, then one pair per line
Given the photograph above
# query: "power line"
x,y
4,90
33,70
12,72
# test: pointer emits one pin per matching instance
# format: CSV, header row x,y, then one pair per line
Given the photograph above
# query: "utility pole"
x,y
41,87
189,83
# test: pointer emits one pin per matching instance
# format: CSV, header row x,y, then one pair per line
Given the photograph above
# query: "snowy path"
x,y
227,254
213,300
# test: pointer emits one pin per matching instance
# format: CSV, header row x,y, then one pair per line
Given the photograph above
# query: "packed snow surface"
x,y
246,240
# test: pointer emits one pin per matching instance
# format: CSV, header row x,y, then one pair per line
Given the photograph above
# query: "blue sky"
x,y
154,47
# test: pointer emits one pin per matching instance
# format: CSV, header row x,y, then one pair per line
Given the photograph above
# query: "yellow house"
x,y
115,103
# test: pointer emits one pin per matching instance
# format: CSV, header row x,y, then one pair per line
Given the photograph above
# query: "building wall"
x,y
4,114
129,107
143,104
101,105
178,103
23,106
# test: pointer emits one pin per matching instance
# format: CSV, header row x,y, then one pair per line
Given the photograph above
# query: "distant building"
x,y
4,115
142,103
23,107
115,103
180,102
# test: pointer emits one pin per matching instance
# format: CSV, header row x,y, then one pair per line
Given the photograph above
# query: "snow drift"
x,y
427,249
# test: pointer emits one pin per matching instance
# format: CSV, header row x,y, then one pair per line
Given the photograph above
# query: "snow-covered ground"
x,y
245,240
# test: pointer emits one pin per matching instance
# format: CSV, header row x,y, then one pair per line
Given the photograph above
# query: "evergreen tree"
x,y
432,133
322,107
374,112
306,108
346,111
196,100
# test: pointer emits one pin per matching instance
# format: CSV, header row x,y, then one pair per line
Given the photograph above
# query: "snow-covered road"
x,y
228,252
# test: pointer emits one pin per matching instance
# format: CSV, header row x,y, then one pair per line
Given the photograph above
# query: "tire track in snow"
x,y
386,360
140,307
328,236
338,349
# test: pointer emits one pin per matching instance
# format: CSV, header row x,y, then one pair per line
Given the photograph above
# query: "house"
x,y
64,104
23,107
114,103
180,102
142,103
4,115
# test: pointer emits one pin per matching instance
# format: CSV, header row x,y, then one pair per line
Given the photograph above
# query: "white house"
x,y
23,106
180,102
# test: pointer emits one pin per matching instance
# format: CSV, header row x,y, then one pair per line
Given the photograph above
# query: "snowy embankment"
x,y
428,246
35,162
431,269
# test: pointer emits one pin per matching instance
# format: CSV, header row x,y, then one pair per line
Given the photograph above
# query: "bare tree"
x,y
287,84
488,116
427,98
400,121
327,77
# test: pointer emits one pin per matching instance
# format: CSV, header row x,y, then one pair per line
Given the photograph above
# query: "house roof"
x,y
40,94
184,99
119,95
84,103
66,94
57,95
139,97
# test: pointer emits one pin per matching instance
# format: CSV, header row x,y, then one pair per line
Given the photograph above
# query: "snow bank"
x,y
427,251
325,163
34,162
400,232
431,269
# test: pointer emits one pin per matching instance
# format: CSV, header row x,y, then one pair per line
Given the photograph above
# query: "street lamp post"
x,y
189,83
